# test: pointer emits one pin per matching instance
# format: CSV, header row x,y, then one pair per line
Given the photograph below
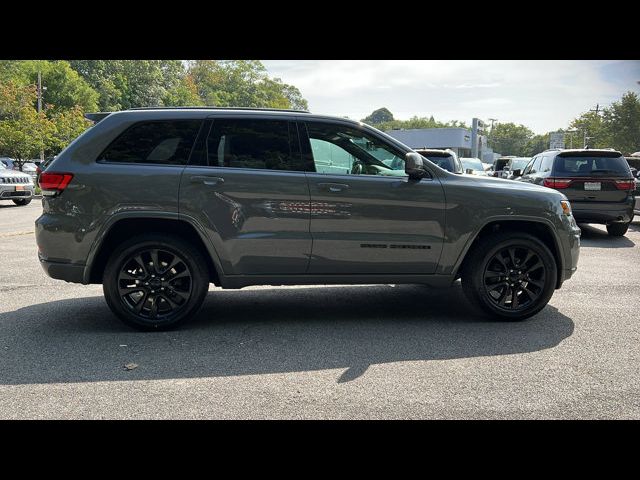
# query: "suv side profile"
x,y
156,204
598,183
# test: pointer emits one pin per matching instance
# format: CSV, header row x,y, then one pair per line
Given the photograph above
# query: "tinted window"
x,y
529,168
547,162
446,163
587,166
164,142
251,143
343,150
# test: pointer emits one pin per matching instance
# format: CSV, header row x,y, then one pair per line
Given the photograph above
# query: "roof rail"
x,y
221,108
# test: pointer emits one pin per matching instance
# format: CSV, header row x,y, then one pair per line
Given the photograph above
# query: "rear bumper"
x,y
604,213
69,272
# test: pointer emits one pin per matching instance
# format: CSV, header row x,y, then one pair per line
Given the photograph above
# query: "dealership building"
x,y
460,140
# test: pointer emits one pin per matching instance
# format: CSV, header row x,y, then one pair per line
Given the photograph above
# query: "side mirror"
x,y
414,166
517,173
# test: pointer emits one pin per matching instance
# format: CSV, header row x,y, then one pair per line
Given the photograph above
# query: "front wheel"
x,y
510,276
22,202
155,281
617,229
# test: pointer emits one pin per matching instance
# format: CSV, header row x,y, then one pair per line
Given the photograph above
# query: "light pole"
x,y
40,89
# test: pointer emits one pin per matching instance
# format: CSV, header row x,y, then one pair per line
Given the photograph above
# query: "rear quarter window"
x,y
161,142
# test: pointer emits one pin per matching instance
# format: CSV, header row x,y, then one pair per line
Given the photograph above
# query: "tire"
x,y
483,266
152,297
617,229
22,202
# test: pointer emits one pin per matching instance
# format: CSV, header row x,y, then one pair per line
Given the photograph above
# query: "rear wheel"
x,y
510,276
22,201
155,281
617,229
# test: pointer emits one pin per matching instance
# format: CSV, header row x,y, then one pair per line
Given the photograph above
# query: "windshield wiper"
x,y
604,171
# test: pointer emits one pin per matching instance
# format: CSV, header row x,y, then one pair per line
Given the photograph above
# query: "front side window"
x,y
164,142
344,150
254,143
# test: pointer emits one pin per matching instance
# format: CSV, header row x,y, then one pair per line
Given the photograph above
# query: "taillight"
x,y
557,182
625,185
52,182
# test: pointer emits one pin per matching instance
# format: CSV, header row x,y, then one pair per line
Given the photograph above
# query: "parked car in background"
x,y
514,167
499,164
508,166
156,204
31,169
598,183
473,166
445,159
16,186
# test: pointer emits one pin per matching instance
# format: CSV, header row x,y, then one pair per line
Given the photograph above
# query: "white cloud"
x,y
543,95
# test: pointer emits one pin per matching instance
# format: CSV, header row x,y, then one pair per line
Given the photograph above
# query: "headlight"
x,y
566,207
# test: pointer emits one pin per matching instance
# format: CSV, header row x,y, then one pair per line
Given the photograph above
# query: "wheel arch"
x,y
538,228
126,226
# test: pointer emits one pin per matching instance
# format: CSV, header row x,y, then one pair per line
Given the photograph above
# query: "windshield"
x,y
588,166
472,163
519,163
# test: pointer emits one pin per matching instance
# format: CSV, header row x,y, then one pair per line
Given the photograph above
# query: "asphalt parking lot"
x,y
344,352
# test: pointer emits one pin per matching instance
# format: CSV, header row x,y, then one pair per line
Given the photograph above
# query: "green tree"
x,y
68,125
536,144
378,116
242,83
63,88
184,93
510,139
23,131
123,84
622,123
594,127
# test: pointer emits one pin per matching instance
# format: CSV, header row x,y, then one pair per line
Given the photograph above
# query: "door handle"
x,y
208,181
333,187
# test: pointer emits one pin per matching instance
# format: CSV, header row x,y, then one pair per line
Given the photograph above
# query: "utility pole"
x,y
39,110
492,120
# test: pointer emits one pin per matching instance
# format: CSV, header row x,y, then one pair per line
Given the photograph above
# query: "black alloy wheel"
x,y
514,278
509,275
155,281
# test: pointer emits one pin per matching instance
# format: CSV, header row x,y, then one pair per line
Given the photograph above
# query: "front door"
x,y
246,186
367,216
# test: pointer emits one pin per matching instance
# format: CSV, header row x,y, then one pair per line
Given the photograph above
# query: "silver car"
x,y
16,186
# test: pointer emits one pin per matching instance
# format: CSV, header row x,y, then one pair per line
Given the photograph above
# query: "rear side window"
x,y
163,142
590,166
252,143
547,162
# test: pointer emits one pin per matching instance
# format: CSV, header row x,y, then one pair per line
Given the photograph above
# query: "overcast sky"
x,y
542,94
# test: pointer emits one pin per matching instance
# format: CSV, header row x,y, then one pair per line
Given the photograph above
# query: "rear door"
x,y
594,177
246,186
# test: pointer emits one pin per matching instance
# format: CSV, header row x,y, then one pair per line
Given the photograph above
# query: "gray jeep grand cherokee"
x,y
155,204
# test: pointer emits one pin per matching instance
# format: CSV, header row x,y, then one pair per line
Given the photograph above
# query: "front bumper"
x,y
9,192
